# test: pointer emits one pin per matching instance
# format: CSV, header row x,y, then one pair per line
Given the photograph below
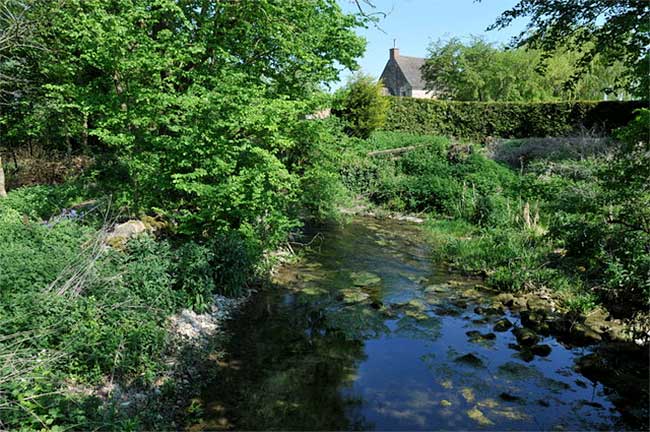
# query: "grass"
x,y
522,227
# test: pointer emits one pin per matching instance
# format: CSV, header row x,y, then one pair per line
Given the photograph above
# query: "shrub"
x,y
361,105
478,120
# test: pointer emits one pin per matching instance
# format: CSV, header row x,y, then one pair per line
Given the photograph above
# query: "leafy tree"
x,y
362,106
616,30
482,71
198,103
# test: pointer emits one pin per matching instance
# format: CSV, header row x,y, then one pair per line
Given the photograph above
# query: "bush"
x,y
478,120
450,181
361,105
73,311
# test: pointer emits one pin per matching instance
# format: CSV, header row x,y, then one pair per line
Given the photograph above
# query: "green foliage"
x,y
318,162
478,120
72,310
34,254
573,220
481,71
433,176
43,201
193,111
612,29
606,228
197,104
361,105
636,132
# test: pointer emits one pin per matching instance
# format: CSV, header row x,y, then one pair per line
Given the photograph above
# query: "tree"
x,y
196,103
14,33
481,71
615,30
362,106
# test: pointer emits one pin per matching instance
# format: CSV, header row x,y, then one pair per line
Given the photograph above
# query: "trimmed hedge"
x,y
506,119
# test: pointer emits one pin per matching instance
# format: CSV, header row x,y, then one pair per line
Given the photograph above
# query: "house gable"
x,y
402,76
394,80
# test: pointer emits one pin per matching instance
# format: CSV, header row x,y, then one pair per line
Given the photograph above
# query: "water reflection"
x,y
367,334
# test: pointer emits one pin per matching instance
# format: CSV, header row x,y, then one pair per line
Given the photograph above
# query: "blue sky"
x,y
415,23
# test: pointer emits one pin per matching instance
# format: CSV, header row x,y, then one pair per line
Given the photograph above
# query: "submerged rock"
x,y
509,397
460,303
516,371
478,416
477,335
470,360
502,325
362,279
526,355
448,311
541,350
418,315
468,394
494,310
525,336
436,288
354,295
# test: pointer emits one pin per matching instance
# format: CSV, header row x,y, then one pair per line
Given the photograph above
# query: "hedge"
x,y
506,119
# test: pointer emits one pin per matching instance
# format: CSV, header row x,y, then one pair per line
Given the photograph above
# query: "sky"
x,y
416,23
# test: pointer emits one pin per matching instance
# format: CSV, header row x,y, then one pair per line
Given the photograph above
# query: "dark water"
x,y
367,334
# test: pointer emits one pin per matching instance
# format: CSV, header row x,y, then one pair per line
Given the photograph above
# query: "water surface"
x,y
366,333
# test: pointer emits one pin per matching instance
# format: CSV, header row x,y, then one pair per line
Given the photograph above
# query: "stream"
x,y
366,332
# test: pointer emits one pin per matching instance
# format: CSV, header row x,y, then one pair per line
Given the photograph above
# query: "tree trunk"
x,y
68,146
84,136
3,191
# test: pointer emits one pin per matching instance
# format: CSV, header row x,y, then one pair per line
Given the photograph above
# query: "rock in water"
x,y
470,360
353,295
525,337
509,398
476,335
363,279
542,350
502,325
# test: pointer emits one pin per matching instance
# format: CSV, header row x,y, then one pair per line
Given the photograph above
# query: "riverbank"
x,y
525,215
105,322
558,312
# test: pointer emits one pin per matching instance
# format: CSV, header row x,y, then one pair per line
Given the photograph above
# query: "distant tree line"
x,y
478,70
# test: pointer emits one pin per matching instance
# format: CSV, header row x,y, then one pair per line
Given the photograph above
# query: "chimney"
x,y
394,53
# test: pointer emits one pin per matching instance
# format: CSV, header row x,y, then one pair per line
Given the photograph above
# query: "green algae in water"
x,y
437,288
364,278
312,290
354,295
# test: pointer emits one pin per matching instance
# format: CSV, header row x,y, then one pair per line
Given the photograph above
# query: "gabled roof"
x,y
411,68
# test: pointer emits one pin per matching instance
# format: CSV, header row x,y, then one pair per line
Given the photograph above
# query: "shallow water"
x,y
366,333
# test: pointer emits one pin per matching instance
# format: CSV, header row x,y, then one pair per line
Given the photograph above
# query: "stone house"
x,y
402,76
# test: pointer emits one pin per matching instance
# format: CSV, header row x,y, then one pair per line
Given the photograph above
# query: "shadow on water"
x,y
366,333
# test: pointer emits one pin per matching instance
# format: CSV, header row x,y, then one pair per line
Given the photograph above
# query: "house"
x,y
402,76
